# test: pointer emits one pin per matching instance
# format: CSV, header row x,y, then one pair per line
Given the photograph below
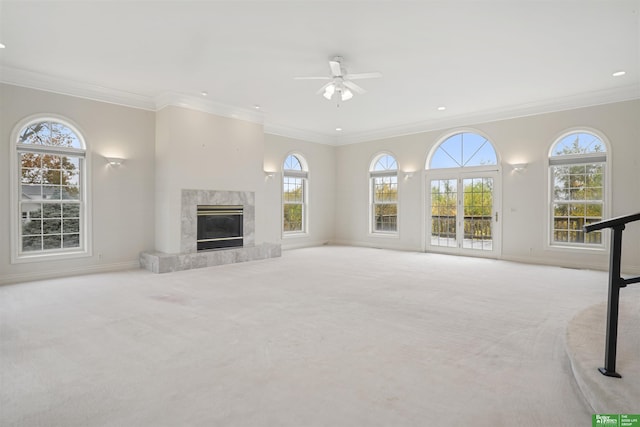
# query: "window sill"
x,y
384,234
56,256
576,248
294,234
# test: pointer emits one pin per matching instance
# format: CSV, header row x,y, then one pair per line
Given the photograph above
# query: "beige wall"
x,y
137,207
524,195
122,198
321,162
201,151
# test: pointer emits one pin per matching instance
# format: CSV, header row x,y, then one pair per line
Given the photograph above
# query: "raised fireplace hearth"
x,y
216,227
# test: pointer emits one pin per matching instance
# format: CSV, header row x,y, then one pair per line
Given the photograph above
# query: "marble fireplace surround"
x,y
189,257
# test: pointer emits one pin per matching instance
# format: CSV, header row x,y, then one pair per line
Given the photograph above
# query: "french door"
x,y
463,213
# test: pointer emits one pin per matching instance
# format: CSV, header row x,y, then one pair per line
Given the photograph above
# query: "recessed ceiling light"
x,y
2,46
619,73
257,107
339,129
442,108
203,93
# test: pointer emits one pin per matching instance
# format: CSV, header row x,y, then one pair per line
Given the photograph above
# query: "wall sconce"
x,y
269,175
114,161
519,167
408,175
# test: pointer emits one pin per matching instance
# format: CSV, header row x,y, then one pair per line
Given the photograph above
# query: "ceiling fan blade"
x,y
354,87
312,78
323,88
357,76
336,70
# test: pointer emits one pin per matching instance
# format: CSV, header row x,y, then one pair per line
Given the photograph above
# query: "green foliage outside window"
x,y
50,192
385,198
578,189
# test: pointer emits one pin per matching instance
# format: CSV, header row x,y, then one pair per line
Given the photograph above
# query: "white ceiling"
x,y
483,60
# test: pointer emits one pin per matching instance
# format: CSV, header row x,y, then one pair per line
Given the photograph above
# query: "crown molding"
x,y
590,99
205,105
55,84
304,135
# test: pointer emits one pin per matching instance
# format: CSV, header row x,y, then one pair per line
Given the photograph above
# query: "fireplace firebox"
x,y
219,227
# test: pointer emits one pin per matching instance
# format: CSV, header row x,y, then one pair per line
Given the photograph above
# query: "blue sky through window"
x,y
292,163
579,143
464,150
386,163
50,133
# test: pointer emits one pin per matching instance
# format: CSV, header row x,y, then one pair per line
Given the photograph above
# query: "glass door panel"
x,y
463,211
478,213
444,210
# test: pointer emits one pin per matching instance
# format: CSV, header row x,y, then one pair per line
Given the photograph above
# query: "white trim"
x,y
304,175
459,174
60,85
299,134
49,83
208,106
549,245
85,250
445,136
571,102
372,174
40,275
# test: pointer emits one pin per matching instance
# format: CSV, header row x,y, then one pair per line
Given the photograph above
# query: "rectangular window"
x,y
293,204
49,202
385,203
578,200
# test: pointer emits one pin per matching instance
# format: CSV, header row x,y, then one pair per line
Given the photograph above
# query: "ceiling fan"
x,y
340,84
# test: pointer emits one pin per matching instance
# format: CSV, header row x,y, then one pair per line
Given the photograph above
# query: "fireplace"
x,y
219,226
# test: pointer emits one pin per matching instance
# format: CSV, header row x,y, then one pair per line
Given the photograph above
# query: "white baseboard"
x,y
77,271
292,244
378,244
632,270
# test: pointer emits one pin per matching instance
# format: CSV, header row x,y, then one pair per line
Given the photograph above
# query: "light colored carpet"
x,y
327,336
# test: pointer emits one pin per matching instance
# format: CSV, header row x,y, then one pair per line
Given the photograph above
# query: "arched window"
x,y
577,171
463,201
49,194
294,195
383,176
465,149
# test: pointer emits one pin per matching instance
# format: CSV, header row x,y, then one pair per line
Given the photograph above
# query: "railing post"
x,y
613,304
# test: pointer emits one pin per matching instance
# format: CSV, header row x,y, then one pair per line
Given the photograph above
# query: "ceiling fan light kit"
x,y
340,85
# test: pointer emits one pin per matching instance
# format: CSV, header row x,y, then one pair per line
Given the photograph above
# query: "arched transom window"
x,y
465,149
383,175
294,195
577,168
50,191
463,201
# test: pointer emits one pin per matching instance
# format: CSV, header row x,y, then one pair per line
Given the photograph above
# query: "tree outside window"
x,y
384,197
294,195
577,166
50,160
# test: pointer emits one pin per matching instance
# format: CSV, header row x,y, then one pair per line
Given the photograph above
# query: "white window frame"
x,y
576,159
83,155
490,170
373,174
304,176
